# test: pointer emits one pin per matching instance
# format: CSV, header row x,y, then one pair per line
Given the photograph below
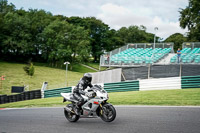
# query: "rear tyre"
x,y
108,113
72,117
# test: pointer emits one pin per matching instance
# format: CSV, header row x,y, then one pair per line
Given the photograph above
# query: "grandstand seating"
x,y
188,56
140,55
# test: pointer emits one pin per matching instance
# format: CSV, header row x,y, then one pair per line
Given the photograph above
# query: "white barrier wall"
x,y
109,76
160,84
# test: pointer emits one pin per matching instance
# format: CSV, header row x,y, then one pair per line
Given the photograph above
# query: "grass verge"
x,y
180,97
183,97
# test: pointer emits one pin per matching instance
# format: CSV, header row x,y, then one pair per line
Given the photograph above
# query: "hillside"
x,y
56,78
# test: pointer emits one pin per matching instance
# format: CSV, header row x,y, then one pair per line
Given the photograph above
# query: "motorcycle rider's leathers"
x,y
79,89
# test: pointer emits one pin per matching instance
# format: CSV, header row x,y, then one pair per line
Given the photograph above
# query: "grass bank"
x,y
56,78
183,97
95,65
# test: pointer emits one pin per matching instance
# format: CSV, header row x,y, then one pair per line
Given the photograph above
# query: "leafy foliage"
x,y
178,39
190,18
135,34
40,36
29,69
100,35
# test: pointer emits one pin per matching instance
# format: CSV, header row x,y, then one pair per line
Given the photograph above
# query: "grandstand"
x,y
137,54
144,61
142,54
190,53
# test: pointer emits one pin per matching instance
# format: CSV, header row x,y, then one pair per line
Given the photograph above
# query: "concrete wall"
x,y
160,84
109,76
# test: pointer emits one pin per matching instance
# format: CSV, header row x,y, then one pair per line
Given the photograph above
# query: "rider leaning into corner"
x,y
79,89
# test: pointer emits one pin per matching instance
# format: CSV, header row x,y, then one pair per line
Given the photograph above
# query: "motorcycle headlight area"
x,y
102,95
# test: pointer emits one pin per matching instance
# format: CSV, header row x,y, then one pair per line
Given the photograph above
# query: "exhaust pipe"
x,y
68,110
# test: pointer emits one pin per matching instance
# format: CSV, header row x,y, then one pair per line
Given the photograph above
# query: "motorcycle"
x,y
95,105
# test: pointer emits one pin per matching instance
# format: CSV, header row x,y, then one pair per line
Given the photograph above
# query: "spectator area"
x,y
140,55
188,55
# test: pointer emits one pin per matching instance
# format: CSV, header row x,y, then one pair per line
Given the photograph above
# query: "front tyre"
x,y
108,113
72,117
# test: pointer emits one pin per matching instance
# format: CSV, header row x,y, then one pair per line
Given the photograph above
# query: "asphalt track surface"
x,y
130,119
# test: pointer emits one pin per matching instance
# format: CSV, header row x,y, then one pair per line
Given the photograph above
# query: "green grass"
x,y
180,97
56,78
81,69
183,97
46,102
95,65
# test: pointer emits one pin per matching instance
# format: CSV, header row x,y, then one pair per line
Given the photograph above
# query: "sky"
x,y
163,14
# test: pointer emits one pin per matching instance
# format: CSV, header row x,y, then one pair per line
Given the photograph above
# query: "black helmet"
x,y
87,77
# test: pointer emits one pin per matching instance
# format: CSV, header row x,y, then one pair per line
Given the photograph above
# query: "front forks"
x,y
101,109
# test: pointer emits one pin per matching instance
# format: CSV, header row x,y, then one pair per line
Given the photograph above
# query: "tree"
x,y
5,7
98,33
190,18
178,39
65,42
135,34
112,40
79,42
38,21
16,34
54,45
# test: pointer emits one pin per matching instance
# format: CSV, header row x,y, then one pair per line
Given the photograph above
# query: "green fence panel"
x,y
187,77
122,86
190,82
127,82
183,79
56,92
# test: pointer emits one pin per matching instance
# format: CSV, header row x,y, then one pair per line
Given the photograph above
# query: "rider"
x,y
79,89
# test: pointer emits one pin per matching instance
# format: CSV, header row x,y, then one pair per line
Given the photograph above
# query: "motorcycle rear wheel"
x,y
108,113
71,117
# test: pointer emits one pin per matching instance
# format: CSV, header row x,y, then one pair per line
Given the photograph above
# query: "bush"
x,y
29,69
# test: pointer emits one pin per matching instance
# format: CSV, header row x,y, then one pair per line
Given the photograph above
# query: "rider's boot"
x,y
77,110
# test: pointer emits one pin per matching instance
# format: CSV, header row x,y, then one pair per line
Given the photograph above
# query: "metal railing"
x,y
191,45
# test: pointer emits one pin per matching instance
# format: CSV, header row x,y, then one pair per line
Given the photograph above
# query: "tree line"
x,y
43,37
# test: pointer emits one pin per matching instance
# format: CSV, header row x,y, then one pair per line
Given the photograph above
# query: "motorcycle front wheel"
x,y
72,117
108,113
